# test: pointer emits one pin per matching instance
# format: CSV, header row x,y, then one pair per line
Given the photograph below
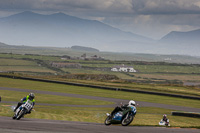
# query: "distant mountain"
x,y
61,30
190,37
182,42
3,45
81,48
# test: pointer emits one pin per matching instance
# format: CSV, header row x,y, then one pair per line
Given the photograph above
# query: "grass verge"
x,y
146,116
34,85
50,99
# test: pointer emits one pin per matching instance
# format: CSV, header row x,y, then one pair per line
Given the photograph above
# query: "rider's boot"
x,y
108,114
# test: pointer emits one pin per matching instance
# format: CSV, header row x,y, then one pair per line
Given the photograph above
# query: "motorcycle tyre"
x,y
20,114
128,122
107,122
14,116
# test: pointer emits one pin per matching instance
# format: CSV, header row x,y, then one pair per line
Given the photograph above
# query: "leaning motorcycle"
x,y
124,117
23,109
164,123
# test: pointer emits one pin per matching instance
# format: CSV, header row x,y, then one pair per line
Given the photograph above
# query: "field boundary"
x,y
101,87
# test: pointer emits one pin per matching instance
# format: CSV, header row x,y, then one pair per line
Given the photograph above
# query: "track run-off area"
x,y
26,125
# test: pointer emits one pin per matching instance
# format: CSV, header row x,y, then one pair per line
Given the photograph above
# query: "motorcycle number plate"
x,y
28,106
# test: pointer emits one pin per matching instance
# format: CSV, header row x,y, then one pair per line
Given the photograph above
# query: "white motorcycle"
x,y
163,123
23,109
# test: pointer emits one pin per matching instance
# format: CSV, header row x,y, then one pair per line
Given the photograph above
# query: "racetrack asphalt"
x,y
25,125
8,125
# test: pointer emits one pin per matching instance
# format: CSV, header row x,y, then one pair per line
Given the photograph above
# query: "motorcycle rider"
x,y
131,104
165,119
30,97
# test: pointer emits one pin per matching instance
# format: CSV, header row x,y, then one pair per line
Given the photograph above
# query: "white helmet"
x,y
131,103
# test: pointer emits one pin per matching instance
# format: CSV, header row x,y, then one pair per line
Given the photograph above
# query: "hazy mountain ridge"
x,y
3,45
182,37
81,48
187,43
59,30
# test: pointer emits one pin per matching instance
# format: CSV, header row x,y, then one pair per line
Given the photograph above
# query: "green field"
x,y
19,65
107,55
33,85
151,76
45,98
149,116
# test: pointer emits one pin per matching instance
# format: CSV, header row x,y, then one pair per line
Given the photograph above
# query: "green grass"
x,y
26,69
167,68
14,62
157,76
148,116
172,89
85,71
22,66
50,99
23,56
107,55
25,84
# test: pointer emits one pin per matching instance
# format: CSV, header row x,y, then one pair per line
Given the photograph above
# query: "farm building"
x,y
123,68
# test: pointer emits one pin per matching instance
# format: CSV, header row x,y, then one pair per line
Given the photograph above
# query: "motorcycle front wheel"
x,y
21,113
108,121
14,116
127,121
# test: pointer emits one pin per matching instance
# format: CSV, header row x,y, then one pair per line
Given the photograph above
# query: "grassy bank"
x,y
146,116
34,85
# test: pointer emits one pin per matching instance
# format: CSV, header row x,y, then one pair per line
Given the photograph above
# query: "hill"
x,y
61,30
64,31
3,45
81,48
185,42
190,37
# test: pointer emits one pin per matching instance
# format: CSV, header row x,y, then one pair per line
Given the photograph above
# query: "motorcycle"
x,y
124,117
23,109
163,123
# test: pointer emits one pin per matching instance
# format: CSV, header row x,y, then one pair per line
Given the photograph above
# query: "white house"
x,y
123,68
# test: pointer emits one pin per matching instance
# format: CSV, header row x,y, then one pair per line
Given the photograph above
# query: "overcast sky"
x,y
150,18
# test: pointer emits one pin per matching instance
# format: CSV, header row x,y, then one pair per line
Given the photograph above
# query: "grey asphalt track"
x,y
8,125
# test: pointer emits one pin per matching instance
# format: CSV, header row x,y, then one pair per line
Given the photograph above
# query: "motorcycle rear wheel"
x,y
108,121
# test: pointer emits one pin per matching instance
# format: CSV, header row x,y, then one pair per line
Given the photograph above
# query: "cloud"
x,y
99,5
137,16
107,7
166,6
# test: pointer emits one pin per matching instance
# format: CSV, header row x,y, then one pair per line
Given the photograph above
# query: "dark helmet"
x,y
164,116
31,96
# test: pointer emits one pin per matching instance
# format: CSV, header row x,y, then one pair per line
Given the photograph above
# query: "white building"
x,y
123,68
